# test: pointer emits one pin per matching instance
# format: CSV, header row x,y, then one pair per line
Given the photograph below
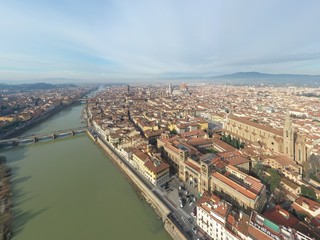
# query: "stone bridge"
x,y
43,137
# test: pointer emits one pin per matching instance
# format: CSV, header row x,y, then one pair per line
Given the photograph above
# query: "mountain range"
x,y
244,78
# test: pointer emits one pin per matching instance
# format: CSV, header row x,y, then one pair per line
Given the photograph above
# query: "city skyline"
x,y
121,40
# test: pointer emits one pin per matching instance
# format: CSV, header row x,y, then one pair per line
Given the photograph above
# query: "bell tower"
x,y
288,137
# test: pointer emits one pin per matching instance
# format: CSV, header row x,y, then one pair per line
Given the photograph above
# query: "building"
x,y
217,219
284,141
262,228
212,214
239,188
170,89
191,165
309,208
152,168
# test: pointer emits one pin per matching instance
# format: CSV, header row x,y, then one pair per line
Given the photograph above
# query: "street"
x,y
169,196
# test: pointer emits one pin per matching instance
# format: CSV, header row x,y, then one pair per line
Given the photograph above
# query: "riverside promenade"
x,y
147,190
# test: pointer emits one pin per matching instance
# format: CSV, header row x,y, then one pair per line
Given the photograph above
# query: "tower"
x,y
288,137
170,89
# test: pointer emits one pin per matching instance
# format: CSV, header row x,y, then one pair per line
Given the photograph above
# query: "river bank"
x,y
6,217
150,197
35,121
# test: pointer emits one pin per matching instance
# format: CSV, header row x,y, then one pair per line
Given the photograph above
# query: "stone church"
x,y
283,141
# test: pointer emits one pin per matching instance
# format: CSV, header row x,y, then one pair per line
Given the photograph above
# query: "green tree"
x,y
238,144
259,169
274,179
229,139
308,192
173,131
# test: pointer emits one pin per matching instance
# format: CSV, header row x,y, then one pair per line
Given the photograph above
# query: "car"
x,y
181,205
194,229
190,204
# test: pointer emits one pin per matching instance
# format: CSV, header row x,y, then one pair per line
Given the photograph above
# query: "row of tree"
x,y
235,142
273,178
6,217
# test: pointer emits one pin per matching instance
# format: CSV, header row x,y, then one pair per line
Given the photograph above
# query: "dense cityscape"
x,y
226,162
184,120
249,154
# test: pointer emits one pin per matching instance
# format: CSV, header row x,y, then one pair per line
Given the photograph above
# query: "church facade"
x,y
283,141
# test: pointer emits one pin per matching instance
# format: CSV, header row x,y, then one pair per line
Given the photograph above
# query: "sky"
x,y
156,39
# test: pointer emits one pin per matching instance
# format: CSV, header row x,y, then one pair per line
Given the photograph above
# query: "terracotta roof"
x,y
193,133
212,203
281,217
153,167
152,133
257,125
237,161
193,166
200,141
310,206
234,185
256,234
172,148
223,145
141,155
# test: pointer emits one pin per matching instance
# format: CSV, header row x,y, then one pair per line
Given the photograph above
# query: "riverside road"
x,y
184,219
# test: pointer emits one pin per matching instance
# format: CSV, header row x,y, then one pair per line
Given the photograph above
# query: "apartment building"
x,y
217,219
152,168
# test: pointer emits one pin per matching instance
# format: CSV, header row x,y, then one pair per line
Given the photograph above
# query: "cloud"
x,y
121,39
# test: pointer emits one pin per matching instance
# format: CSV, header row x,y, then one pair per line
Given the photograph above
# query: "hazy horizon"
x,y
109,41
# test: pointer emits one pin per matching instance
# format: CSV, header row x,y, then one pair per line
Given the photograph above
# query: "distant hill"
x,y
34,86
266,78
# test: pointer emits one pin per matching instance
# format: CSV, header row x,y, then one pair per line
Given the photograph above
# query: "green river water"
x,y
68,189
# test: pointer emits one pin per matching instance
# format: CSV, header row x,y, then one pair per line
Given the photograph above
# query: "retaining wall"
x,y
149,196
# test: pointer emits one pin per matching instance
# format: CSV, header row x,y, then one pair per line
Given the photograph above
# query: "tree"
x,y
229,139
274,179
224,138
315,163
173,131
279,197
308,192
258,169
238,144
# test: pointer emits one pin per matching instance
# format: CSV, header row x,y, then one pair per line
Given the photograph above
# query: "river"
x,y
68,189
